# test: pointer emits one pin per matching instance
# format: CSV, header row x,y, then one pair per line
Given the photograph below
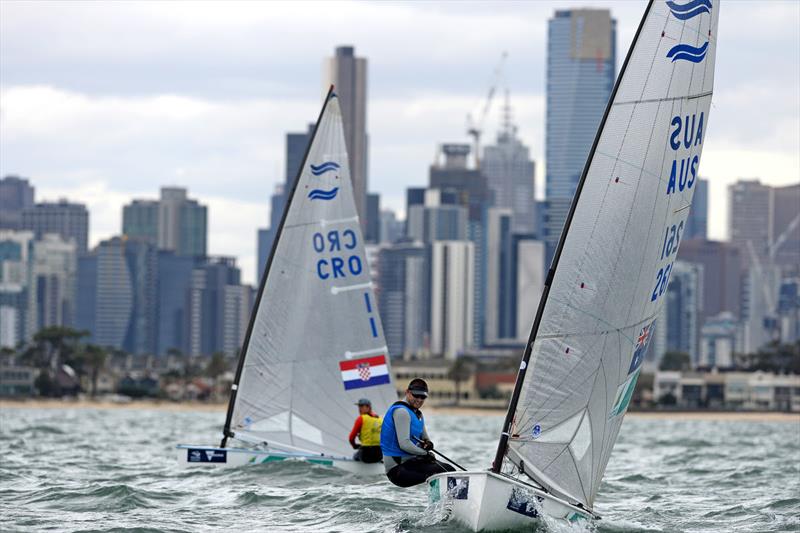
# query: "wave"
x,y
690,10
688,53
320,194
327,166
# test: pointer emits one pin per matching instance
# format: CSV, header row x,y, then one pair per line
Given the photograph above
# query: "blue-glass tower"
x,y
581,68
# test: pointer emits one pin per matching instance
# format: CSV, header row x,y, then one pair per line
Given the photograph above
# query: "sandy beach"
x,y
747,416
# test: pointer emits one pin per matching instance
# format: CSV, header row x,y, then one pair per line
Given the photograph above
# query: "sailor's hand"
x,y
356,446
427,445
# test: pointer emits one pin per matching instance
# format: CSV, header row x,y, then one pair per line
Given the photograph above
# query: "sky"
x,y
104,102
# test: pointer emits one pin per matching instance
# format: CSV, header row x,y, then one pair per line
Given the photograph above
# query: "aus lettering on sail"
x,y
686,136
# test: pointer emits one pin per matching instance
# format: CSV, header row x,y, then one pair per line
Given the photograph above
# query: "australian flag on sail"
x,y
365,372
642,342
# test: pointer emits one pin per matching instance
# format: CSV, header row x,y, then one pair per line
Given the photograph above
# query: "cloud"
x,y
103,102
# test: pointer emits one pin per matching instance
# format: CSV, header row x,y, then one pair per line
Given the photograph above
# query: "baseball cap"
x,y
364,401
418,387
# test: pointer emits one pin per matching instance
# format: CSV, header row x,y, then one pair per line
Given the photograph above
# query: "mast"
x,y
502,445
226,432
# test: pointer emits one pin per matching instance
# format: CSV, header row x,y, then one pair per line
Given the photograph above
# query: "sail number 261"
x,y
662,281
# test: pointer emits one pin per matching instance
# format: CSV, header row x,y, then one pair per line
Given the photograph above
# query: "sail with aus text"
x,y
315,344
609,275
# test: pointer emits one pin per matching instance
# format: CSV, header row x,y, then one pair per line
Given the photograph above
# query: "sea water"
x,y
84,469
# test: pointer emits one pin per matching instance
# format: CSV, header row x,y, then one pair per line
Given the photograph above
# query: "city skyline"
x,y
127,114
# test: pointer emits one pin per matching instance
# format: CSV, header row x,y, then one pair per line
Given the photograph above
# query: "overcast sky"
x,y
104,102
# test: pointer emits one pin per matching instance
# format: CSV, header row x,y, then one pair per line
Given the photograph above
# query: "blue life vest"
x,y
389,444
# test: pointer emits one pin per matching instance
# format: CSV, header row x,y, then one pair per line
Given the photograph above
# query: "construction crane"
x,y
475,127
767,282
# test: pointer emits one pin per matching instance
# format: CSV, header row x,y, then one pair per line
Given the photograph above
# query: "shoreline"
x,y
221,407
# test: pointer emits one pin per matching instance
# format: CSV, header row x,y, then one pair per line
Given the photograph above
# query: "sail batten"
x,y
316,343
614,260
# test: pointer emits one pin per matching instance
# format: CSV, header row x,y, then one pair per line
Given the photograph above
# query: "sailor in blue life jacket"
x,y
407,450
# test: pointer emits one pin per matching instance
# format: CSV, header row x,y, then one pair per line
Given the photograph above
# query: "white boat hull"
x,y
485,501
189,455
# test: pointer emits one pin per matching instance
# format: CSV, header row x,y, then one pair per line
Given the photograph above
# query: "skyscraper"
x,y
373,232
125,304
499,313
69,220
785,228
53,276
722,278
348,74
16,194
678,325
173,222
748,218
468,187
404,297
452,265
581,68
207,305
510,174
697,221
296,146
17,297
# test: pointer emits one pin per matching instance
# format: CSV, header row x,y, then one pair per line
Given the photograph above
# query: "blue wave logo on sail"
x,y
690,10
688,53
319,194
327,166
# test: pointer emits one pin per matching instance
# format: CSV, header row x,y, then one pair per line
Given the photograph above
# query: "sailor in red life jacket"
x,y
368,430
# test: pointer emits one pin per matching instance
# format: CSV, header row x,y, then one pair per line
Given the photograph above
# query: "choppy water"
x,y
114,470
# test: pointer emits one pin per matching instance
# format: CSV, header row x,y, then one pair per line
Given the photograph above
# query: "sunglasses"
x,y
419,396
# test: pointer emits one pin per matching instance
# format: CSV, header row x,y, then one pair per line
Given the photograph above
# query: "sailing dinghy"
x,y
606,284
315,343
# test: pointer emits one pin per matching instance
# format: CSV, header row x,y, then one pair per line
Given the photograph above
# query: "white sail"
x,y
610,276
316,343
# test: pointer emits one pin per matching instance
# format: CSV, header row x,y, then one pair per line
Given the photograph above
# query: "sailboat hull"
x,y
485,501
189,455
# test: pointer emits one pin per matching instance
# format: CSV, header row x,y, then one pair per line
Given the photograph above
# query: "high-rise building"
x,y
404,297
174,281
718,341
86,294
206,307
37,284
722,277
452,277
70,221
439,218
500,321
238,302
373,232
54,273
391,229
16,194
697,221
174,222
529,257
296,146
468,186
581,68
748,218
17,297
510,174
678,326
784,229
348,74
126,299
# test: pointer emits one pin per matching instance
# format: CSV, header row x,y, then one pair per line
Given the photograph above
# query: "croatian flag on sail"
x,y
365,372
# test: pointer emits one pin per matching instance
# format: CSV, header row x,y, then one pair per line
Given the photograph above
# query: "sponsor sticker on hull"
x,y
201,455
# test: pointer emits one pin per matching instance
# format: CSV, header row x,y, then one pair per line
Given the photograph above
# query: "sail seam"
x,y
674,98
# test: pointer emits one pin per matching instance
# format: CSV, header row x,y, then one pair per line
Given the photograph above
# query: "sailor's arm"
x,y
402,426
355,431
